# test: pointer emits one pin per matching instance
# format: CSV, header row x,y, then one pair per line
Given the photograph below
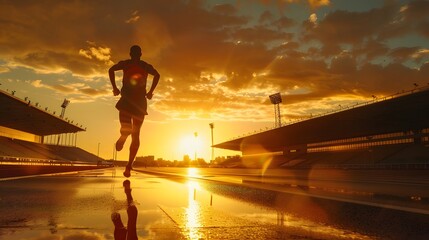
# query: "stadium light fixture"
x,y
65,103
276,98
64,106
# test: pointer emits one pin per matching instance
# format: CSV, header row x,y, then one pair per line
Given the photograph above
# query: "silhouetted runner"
x,y
132,105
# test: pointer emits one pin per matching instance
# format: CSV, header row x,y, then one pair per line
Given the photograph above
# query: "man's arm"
x,y
155,81
112,70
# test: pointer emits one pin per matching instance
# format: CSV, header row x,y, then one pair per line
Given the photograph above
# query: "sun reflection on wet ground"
x,y
80,206
193,173
192,211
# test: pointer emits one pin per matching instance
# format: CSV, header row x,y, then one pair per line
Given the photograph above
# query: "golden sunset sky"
x,y
218,60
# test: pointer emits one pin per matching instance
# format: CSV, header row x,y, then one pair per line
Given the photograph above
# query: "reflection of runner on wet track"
x,y
130,232
132,105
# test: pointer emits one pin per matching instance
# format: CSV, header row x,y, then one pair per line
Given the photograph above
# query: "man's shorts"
x,y
135,106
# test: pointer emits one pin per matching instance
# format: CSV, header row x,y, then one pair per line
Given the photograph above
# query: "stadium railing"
x,y
374,166
8,160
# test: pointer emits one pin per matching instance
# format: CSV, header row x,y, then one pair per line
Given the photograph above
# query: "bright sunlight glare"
x,y
191,146
193,172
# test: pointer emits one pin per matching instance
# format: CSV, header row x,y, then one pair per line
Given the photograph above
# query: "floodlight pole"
x,y
211,128
277,117
195,145
63,111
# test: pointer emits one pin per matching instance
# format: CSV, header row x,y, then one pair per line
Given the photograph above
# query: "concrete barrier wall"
x,y
7,171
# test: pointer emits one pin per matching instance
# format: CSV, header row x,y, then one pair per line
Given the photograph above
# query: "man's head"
x,y
135,52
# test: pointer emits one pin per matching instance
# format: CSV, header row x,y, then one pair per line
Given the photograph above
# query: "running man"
x,y
132,105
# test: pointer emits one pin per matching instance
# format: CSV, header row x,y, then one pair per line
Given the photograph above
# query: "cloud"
x,y
318,3
311,3
134,17
266,16
345,27
420,53
283,22
313,18
411,18
371,49
4,69
343,63
59,62
99,53
402,54
79,92
260,34
219,60
415,10
94,92
225,9
58,87
56,40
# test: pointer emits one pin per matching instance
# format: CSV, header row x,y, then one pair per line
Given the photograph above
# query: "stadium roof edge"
x,y
21,115
406,111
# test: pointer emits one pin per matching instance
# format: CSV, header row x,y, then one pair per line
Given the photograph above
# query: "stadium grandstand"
x,y
390,132
35,141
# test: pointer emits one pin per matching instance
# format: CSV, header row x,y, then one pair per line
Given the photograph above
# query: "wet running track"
x,y
200,204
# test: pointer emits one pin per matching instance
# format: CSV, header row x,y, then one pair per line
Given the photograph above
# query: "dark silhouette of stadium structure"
x,y
31,137
392,132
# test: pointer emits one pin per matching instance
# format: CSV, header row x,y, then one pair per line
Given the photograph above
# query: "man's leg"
x,y
120,232
126,129
135,139
135,143
131,211
132,222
